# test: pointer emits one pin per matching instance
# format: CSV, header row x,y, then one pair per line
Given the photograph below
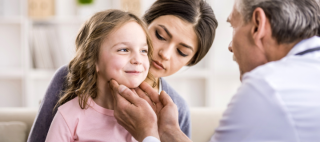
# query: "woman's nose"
x,y
165,53
230,47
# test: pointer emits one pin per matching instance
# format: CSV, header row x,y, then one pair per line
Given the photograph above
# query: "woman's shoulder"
x,y
175,96
60,74
62,71
58,80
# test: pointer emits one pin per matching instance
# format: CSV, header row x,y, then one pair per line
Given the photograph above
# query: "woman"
x,y
182,32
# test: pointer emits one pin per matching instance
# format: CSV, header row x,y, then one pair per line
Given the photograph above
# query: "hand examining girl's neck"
x,y
104,97
151,82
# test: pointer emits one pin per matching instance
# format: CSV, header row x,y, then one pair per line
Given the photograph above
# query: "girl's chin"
x,y
131,84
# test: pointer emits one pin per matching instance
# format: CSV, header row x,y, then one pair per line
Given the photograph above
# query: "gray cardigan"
x,y
41,125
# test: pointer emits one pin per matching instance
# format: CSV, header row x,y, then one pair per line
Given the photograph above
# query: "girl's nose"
x,y
136,60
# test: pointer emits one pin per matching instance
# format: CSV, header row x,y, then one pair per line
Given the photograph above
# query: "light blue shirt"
x,y
150,139
277,102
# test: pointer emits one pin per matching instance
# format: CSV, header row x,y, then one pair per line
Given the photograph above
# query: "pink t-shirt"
x,y
71,123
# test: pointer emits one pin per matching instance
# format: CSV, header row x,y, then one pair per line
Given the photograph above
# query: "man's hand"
x,y
133,113
166,110
146,92
167,113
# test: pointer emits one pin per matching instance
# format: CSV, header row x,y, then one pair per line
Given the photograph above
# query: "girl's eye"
x,y
181,53
159,36
144,51
123,50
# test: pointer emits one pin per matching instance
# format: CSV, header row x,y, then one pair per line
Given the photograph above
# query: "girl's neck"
x,y
104,97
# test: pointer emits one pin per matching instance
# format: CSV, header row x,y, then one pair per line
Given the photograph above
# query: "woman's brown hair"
x,y
197,12
82,76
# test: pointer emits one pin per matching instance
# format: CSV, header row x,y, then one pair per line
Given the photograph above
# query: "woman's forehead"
x,y
177,28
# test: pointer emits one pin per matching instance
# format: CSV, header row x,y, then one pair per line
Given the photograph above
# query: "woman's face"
x,y
175,43
123,56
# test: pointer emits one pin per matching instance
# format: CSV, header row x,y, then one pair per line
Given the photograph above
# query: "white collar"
x,y
160,85
304,45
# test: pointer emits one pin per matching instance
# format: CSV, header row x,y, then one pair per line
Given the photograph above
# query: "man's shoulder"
x,y
288,74
285,69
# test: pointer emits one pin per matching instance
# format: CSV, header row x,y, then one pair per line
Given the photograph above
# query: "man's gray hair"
x,y
291,20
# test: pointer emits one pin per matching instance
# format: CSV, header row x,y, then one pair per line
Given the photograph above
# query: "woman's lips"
x,y
157,65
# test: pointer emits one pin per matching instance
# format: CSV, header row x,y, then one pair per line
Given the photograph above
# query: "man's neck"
x,y
278,51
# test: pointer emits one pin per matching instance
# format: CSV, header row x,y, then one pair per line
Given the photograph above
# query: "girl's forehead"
x,y
130,33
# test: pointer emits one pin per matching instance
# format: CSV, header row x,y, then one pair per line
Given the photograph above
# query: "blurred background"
x,y
37,37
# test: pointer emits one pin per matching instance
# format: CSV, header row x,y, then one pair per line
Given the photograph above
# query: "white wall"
x,y
211,83
226,72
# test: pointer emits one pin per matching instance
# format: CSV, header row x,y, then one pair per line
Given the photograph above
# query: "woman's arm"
x,y
46,113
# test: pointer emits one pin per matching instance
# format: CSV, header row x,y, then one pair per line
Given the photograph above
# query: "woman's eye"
x,y
181,53
158,36
123,50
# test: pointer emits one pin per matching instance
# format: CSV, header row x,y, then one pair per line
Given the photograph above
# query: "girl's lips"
x,y
133,72
157,65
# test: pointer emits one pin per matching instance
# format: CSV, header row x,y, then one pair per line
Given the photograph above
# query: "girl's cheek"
x,y
117,62
147,64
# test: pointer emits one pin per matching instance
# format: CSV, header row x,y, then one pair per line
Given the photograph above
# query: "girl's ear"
x,y
97,67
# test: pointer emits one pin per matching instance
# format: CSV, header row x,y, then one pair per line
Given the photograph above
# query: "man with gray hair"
x,y
276,46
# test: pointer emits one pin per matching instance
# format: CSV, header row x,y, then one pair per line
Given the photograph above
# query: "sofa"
x,y
15,123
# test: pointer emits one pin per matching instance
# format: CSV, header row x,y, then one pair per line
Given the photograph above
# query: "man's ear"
x,y
259,29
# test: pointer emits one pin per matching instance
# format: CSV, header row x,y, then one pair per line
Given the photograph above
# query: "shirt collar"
x,y
304,45
160,85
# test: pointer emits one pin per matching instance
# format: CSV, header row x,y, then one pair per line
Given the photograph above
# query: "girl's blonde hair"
x,y
82,76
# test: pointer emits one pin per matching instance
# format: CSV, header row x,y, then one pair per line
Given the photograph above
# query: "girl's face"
x,y
123,56
175,43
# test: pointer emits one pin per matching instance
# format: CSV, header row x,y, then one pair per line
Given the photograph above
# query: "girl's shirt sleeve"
x,y
59,130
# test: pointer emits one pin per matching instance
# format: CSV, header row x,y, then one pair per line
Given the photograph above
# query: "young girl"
x,y
112,45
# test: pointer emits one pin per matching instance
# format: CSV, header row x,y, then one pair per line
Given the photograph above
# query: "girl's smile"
x,y
123,57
